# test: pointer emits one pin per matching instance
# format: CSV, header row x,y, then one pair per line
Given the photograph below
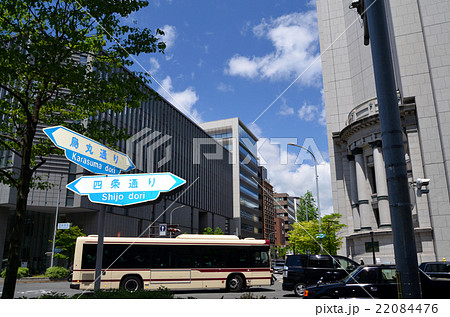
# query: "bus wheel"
x,y
235,283
131,283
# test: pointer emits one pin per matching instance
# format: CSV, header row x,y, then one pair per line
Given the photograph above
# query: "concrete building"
x,y
285,210
268,207
421,41
241,142
163,141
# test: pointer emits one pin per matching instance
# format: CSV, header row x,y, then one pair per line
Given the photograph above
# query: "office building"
x,y
268,207
241,142
420,46
285,209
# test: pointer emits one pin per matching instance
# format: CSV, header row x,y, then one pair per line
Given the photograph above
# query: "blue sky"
x,y
258,60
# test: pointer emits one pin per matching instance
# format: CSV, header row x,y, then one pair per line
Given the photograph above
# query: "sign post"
x,y
112,188
89,154
124,190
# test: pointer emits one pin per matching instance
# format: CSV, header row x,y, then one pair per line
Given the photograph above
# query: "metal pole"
x,y
393,150
99,256
56,221
373,248
170,219
317,191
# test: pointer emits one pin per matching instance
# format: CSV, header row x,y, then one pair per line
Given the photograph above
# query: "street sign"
x,y
162,229
89,154
126,189
321,235
64,225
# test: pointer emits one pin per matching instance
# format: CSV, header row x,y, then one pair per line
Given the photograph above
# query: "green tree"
x,y
66,241
304,239
307,208
209,230
61,63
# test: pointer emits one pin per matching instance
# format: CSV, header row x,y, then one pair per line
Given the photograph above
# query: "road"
x,y
35,289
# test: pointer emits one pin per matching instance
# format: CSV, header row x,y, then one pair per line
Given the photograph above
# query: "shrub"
x,y
21,272
57,272
160,293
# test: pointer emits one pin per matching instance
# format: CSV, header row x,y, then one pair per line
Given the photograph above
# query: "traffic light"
x,y
361,9
421,184
173,228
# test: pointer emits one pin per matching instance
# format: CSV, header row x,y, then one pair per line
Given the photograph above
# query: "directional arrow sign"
x,y
87,153
126,189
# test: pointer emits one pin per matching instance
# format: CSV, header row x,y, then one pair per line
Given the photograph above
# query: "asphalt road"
x,y
36,288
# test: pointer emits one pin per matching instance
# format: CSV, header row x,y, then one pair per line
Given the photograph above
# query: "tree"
x,y
307,208
66,241
209,230
304,235
61,62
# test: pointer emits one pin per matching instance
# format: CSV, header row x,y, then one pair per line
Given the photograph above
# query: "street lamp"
x,y
170,218
317,189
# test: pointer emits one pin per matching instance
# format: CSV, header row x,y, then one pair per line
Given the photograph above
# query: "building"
x,y
162,141
285,209
421,33
268,207
237,138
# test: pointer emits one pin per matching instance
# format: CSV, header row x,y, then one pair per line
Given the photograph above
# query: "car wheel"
x,y
299,289
235,283
131,284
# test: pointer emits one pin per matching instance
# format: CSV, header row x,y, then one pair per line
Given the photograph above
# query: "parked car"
x,y
302,270
436,269
278,266
376,282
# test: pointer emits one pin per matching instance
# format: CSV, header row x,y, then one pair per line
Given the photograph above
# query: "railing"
x,y
366,109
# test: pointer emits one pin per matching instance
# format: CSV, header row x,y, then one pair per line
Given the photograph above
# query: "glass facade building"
x,y
233,135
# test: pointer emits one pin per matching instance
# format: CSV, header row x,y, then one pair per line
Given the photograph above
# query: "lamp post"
x,y
317,190
170,218
56,221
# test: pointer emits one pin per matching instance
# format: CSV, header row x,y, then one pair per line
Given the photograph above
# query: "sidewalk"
x,y
32,280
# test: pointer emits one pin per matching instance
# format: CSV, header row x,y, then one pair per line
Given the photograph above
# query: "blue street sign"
x,y
162,229
89,154
125,189
321,235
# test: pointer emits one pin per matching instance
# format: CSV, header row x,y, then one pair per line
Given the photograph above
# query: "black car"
x,y
376,281
302,270
436,269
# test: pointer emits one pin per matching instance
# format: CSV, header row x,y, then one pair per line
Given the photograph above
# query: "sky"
x,y
258,60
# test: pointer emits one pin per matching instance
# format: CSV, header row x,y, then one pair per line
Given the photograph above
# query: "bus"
x,y
189,261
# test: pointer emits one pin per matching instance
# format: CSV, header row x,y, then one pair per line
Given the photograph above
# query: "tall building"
x,y
241,142
268,207
162,141
285,210
420,43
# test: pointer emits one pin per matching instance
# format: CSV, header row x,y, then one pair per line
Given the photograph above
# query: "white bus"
x,y
187,262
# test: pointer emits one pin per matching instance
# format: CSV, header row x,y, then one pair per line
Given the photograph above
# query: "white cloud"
x,y
243,66
295,179
307,112
285,110
183,100
295,39
224,87
154,66
170,34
